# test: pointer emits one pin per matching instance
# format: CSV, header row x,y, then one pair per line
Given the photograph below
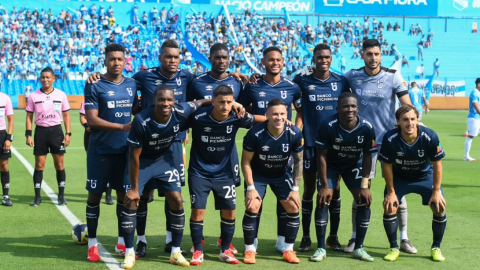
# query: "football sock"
x,y
168,239
281,219
227,228
249,227
37,182
141,237
61,177
257,221
92,242
438,227
129,250
363,219
321,220
5,178
468,145
354,220
196,231
390,224
291,227
142,211
250,247
108,191
129,223
281,239
119,218
177,221
334,210
92,215
402,216
307,208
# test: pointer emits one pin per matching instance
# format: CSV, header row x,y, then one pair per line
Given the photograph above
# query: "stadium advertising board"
x,y
445,89
378,7
459,8
271,6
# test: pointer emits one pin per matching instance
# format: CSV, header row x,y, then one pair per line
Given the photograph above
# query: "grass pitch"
x,y
39,237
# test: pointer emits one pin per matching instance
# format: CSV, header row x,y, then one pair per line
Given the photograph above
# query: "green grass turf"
x,y
39,238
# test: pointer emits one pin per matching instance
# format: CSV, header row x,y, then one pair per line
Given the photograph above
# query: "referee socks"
x,y
5,178
37,182
61,177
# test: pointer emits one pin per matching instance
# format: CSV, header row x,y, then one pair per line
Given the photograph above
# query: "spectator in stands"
x,y
420,50
418,29
431,33
134,11
421,70
412,31
428,42
356,53
436,67
342,63
389,26
405,61
396,27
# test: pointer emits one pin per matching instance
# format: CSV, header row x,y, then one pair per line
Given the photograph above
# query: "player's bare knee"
x,y
4,165
254,207
94,198
290,207
391,211
131,206
228,214
197,214
59,166
175,202
440,213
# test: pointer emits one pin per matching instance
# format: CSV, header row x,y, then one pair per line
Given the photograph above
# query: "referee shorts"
x,y
3,137
48,140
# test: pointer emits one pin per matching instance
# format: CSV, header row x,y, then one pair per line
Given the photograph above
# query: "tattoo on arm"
x,y
297,168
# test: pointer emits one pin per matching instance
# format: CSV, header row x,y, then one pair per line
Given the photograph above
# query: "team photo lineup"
x,y
305,138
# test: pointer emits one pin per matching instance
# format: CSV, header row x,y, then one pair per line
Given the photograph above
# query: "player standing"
x,y
212,168
266,151
267,87
151,160
50,106
320,92
6,139
417,96
109,105
377,88
473,121
412,163
342,140
86,138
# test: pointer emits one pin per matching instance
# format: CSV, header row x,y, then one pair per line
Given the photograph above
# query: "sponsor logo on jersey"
x,y
338,140
439,148
209,88
152,143
205,139
265,148
210,148
360,139
130,92
262,94
334,86
336,147
374,144
311,97
319,108
110,93
380,83
285,147
179,81
118,114
284,94
399,161
342,155
154,135
268,166
207,129
400,154
229,129
111,104
311,87
359,82
421,153
262,157
158,82
261,104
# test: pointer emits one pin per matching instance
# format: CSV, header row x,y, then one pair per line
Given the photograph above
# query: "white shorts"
x,y
473,127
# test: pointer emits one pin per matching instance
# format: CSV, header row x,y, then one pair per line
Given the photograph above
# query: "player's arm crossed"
x,y
252,198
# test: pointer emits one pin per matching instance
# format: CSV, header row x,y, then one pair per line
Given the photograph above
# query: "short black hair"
x,y
48,69
163,88
114,47
169,43
344,96
222,90
276,102
321,46
218,47
412,84
477,81
368,43
272,49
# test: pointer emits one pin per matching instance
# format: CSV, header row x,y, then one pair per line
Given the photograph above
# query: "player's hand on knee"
x,y
294,196
390,202
437,202
93,78
324,196
253,78
365,196
251,197
132,197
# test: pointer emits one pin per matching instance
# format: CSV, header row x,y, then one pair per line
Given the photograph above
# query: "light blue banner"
x,y
460,8
378,7
269,6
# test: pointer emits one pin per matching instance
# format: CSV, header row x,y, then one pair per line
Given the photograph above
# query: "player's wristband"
x,y
364,183
252,187
9,137
69,134
85,125
295,188
28,133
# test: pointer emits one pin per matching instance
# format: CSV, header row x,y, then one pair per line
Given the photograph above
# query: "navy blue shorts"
x,y
309,161
281,186
351,177
178,156
103,170
235,167
161,174
224,192
403,187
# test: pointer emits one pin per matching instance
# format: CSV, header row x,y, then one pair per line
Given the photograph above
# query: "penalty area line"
x,y
107,258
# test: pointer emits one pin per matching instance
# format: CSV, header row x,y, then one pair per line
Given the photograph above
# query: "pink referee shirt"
x,y
82,108
48,108
5,109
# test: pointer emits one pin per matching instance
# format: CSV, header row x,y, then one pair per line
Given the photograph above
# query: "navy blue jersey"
x,y
319,100
213,144
345,147
114,102
411,161
202,86
148,80
272,154
154,138
258,95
